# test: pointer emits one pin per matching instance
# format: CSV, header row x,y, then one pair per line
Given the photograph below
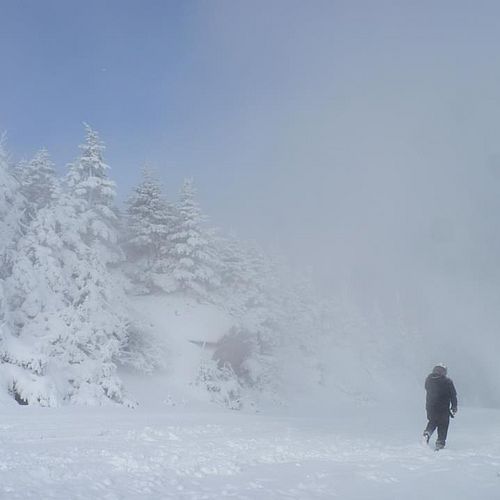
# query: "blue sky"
x,y
358,136
117,65
154,77
192,88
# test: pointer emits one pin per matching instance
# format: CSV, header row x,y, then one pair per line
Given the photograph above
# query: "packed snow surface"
x,y
187,453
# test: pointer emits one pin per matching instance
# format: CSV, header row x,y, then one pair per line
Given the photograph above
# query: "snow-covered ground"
x,y
187,453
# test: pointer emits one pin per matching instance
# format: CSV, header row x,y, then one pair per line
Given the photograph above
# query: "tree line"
x,y
71,261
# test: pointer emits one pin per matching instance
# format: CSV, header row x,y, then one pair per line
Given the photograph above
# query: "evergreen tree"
x,y
10,216
93,195
67,315
150,219
68,321
98,305
147,220
10,209
192,254
39,184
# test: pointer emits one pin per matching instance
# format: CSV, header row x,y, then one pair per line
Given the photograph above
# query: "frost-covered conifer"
x,y
248,280
93,195
10,207
38,182
150,220
68,320
67,312
10,223
192,254
98,323
10,215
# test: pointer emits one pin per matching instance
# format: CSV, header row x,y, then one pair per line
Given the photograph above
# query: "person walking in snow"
x,y
441,403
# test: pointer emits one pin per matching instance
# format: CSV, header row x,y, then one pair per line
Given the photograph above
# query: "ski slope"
x,y
187,453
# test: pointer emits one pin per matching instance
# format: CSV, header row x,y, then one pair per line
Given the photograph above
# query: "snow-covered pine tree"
x,y
250,289
10,222
192,255
238,283
93,195
10,209
67,319
36,301
69,322
150,220
10,216
98,322
41,194
39,184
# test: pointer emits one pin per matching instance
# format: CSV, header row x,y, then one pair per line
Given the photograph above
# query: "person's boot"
x,y
426,437
439,445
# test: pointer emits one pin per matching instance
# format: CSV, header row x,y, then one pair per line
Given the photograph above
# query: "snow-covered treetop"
x,y
92,153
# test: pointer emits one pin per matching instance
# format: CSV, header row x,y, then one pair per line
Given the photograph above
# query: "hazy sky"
x,y
362,137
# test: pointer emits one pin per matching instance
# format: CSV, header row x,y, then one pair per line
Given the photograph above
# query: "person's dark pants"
x,y
441,422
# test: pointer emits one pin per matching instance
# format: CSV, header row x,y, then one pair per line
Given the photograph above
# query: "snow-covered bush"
x,y
143,352
221,383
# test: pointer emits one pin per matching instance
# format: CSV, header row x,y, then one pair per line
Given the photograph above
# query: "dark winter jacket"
x,y
441,395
